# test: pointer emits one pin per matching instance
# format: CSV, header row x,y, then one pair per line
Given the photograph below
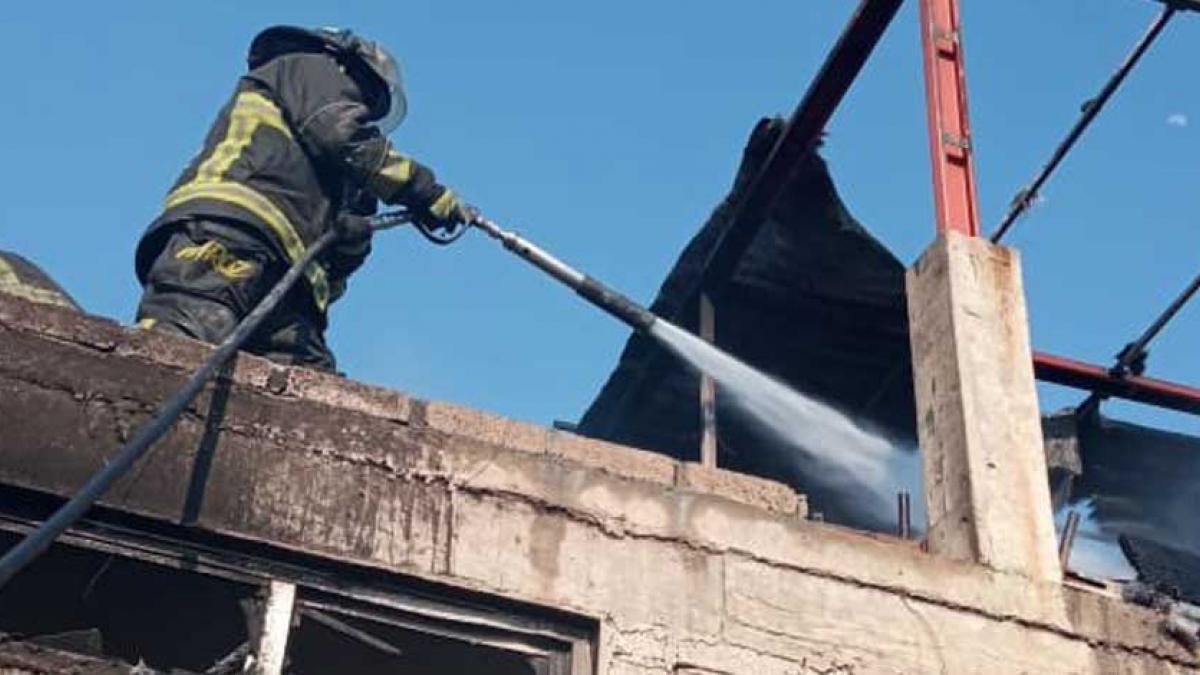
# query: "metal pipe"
x,y
595,292
1067,541
350,631
1027,195
904,514
1159,323
33,545
1186,5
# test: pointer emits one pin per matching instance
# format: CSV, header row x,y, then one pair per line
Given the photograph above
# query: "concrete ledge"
x,y
182,355
687,569
750,490
611,458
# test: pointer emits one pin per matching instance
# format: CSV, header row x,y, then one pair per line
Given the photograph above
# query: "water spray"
x,y
825,446
826,437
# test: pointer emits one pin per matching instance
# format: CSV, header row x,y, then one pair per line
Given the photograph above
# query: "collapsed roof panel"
x,y
816,301
1170,571
1142,481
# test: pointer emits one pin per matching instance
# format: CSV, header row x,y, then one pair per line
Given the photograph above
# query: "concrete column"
x,y
276,626
978,421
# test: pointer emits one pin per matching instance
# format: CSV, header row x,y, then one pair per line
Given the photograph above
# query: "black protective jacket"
x,y
291,152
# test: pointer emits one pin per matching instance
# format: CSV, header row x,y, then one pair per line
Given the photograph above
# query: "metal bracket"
x,y
961,142
949,40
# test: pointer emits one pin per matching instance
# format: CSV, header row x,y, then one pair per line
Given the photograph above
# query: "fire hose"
x,y
595,292
36,542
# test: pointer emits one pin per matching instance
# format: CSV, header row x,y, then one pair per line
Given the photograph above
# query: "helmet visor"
x,y
389,72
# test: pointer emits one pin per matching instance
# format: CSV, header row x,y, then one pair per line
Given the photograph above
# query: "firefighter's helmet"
x,y
366,61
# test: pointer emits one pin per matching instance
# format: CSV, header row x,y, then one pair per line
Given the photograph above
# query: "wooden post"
x,y
708,389
276,624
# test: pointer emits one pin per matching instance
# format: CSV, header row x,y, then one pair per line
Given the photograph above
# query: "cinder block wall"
x,y
685,569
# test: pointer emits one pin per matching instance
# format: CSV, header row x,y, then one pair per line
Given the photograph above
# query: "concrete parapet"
x,y
684,570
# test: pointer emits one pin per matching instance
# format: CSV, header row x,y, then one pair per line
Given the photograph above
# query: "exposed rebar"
x,y
1067,541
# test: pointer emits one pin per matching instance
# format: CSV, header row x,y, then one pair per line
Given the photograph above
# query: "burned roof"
x,y
1141,481
815,301
819,303
1170,571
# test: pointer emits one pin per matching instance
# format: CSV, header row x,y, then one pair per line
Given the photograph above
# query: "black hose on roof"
x,y
36,542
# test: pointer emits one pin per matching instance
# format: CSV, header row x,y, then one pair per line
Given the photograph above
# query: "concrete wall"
x,y
687,570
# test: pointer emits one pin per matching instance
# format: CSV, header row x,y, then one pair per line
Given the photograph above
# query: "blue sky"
x,y
607,132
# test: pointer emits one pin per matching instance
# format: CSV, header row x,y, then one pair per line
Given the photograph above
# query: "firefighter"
x,y
301,147
20,277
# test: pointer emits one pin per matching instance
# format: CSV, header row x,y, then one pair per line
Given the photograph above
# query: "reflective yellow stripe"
x,y
396,168
8,276
12,284
219,258
264,110
252,201
444,204
395,173
249,111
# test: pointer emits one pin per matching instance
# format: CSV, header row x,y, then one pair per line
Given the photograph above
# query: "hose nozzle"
x,y
592,290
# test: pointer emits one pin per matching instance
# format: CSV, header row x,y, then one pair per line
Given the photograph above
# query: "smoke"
x,y
1096,553
825,445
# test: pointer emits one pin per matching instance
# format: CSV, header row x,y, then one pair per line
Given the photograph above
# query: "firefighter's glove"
x,y
445,212
352,228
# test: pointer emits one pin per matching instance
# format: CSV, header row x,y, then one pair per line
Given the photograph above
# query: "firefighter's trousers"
x,y
209,274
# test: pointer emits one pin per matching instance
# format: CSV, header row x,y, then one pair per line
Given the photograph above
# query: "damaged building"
x,y
295,521
406,535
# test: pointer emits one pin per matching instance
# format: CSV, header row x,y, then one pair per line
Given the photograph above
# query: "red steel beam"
x,y
955,202
1090,377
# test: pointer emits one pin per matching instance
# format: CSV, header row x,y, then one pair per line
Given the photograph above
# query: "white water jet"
x,y
828,447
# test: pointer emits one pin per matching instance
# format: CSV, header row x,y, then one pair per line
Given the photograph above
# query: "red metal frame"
x,y
955,204
1072,373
